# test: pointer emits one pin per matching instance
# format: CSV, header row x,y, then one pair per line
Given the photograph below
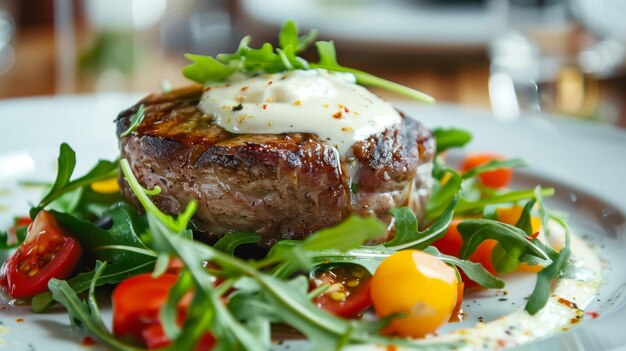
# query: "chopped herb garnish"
x,y
135,120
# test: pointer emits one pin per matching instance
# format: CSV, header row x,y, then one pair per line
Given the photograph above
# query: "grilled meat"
x,y
283,186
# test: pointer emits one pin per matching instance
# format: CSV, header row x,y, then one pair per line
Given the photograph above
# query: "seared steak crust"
x,y
283,186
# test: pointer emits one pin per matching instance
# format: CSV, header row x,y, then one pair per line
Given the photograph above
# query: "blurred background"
x,y
561,56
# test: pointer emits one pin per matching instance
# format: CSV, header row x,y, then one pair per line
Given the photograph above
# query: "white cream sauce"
x,y
330,105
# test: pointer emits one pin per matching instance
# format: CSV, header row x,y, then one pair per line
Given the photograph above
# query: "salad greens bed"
x,y
119,241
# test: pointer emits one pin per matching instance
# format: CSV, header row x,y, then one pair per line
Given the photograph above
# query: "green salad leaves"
x,y
274,289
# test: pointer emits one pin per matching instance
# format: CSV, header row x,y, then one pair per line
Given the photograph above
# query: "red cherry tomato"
x,y
450,244
498,178
136,305
349,292
46,253
18,223
155,338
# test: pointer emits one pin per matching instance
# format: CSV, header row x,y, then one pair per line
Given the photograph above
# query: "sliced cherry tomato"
x,y
349,292
418,285
136,306
46,253
18,223
137,301
451,243
498,178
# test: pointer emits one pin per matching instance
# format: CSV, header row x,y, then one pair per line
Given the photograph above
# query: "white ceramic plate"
x,y
584,162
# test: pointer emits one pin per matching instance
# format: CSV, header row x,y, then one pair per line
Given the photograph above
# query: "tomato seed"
x,y
353,283
358,273
338,296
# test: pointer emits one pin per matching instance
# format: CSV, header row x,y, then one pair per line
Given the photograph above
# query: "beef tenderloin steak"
x,y
282,186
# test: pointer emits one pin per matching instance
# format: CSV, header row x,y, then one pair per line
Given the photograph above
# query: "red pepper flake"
x,y
244,88
593,315
532,237
88,341
20,320
574,320
501,343
567,303
391,348
264,106
270,82
337,115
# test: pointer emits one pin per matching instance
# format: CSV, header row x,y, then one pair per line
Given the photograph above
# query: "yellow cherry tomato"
x,y
510,215
416,284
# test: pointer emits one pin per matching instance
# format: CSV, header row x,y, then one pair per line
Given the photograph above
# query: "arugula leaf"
x,y
508,263
225,327
466,207
119,246
541,292
442,195
369,257
169,312
288,37
405,225
177,225
349,234
327,53
62,184
494,164
524,222
450,138
474,271
135,120
84,314
512,239
411,238
207,70
229,242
